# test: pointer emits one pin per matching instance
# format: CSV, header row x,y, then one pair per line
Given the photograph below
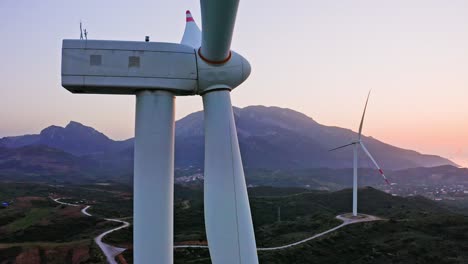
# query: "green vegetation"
x,y
460,205
110,201
35,225
435,239
415,220
30,218
285,232
10,190
58,230
415,230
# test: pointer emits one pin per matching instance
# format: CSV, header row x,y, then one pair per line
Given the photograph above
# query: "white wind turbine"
x,y
356,145
203,64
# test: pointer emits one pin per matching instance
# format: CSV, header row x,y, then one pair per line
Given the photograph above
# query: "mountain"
x,y
270,138
42,163
279,138
75,139
446,174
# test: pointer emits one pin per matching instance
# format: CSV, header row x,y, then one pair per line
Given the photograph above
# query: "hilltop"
x,y
271,138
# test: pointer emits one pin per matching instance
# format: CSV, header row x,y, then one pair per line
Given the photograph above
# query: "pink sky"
x,y
317,57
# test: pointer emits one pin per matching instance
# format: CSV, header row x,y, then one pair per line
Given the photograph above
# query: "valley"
x,y
34,226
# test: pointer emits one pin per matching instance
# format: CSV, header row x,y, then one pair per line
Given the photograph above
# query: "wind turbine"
x,y
203,64
356,145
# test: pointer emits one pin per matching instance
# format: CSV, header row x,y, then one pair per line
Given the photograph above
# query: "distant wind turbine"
x,y
356,145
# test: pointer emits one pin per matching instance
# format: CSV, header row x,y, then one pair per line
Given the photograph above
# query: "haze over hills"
x,y
75,139
281,138
270,138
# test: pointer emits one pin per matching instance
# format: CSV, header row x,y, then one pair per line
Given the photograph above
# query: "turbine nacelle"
x,y
126,67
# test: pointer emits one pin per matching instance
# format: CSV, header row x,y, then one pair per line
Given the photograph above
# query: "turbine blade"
x,y
192,34
362,119
375,163
218,19
228,221
344,146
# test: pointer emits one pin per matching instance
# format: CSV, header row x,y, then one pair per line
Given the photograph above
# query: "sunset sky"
x,y
317,57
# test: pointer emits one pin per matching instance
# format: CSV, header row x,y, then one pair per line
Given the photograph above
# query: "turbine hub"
x,y
221,76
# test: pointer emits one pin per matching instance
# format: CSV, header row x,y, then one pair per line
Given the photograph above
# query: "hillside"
x,y
335,179
270,138
429,176
415,230
75,138
411,225
42,163
280,138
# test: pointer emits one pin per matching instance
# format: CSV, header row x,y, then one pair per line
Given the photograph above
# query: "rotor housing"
x,y
126,67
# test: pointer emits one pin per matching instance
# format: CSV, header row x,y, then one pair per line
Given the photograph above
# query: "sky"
x,y
317,57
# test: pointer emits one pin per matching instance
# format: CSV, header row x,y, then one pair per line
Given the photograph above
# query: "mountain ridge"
x,y
70,139
270,137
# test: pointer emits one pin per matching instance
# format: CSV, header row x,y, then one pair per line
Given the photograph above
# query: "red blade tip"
x,y
387,182
188,16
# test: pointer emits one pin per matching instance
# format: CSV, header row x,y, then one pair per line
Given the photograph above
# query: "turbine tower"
x,y
356,145
203,64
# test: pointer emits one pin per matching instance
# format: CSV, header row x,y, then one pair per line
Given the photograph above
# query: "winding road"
x,y
343,217
109,251
346,221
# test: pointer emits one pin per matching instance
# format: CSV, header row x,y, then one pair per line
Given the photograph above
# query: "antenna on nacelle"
x,y
81,31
